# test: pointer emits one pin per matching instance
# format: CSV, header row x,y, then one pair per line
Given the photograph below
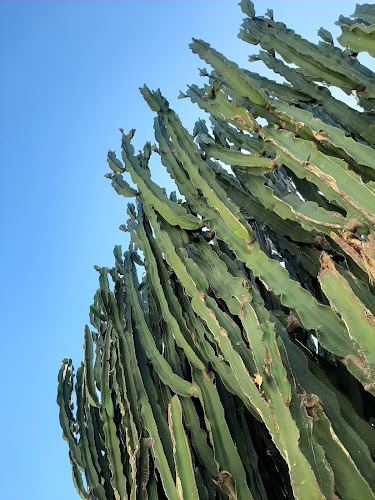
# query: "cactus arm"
x,y
199,438
225,451
364,12
144,468
199,306
114,313
324,62
147,384
114,164
242,83
253,164
120,185
64,400
258,211
357,36
203,177
112,442
312,450
149,410
132,439
360,289
329,174
238,300
349,482
278,392
89,375
176,383
69,424
358,319
307,213
224,371
185,479
87,447
216,197
221,108
156,284
358,123
77,478
191,325
158,452
282,91
127,378
239,139
152,192
355,434
332,139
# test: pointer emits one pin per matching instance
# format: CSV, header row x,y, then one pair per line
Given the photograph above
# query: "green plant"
x,y
242,364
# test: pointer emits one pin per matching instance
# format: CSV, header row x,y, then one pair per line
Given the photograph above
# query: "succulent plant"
x,y
231,352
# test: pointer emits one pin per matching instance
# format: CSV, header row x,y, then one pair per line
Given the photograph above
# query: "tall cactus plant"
x,y
231,352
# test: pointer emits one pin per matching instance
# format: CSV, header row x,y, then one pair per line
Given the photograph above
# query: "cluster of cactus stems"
x,y
232,348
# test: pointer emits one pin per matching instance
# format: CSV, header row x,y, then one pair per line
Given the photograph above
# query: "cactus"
x,y
231,352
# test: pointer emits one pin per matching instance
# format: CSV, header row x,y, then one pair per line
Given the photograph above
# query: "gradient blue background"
x,y
70,73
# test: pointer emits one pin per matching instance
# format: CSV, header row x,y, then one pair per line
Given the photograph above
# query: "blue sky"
x,y
70,73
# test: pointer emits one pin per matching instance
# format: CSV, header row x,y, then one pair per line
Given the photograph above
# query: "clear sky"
x,y
70,73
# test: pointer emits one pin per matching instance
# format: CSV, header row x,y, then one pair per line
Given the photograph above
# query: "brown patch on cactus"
x,y
194,391
320,241
321,135
310,401
352,225
223,332
326,264
274,162
244,300
363,89
211,314
370,388
258,379
250,243
362,252
226,483
209,235
240,120
360,363
327,179
293,323
331,183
